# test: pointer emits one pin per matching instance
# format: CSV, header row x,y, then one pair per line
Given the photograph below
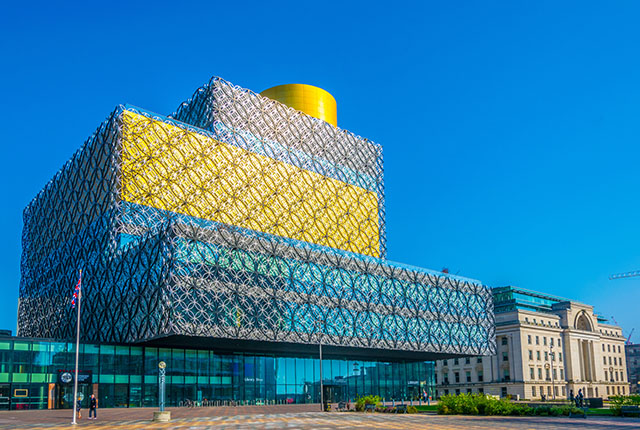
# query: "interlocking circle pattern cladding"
x,y
235,218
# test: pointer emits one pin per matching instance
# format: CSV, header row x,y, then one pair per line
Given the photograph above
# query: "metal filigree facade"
x,y
236,218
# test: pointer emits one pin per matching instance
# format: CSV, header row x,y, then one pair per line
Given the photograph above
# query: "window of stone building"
x,y
604,360
549,391
555,374
603,347
455,362
529,339
559,356
479,360
562,375
530,355
504,340
546,356
445,362
503,391
506,375
537,340
555,390
457,376
558,341
606,375
596,392
551,341
539,372
564,392
445,378
532,373
615,361
533,391
446,392
618,389
480,375
607,390
616,375
505,356
538,355
618,349
547,374
608,348
609,361
468,376
468,390
544,340
623,390
457,392
467,360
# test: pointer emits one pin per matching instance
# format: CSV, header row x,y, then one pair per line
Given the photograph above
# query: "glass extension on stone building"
x,y
237,234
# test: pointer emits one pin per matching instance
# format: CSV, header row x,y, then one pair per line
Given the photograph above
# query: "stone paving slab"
x,y
344,421
64,416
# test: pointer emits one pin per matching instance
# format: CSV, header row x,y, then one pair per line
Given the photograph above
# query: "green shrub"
x,y
555,411
478,404
617,402
367,400
412,410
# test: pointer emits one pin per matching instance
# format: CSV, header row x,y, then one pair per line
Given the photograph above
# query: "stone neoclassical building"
x,y
545,346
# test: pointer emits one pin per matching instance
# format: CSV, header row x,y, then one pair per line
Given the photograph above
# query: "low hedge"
x,y
617,402
479,404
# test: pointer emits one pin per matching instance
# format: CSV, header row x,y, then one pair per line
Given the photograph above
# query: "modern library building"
x,y
234,240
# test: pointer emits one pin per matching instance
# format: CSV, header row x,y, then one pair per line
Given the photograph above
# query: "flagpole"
x,y
75,379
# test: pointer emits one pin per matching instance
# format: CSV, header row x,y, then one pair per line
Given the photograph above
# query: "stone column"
x,y
593,361
582,364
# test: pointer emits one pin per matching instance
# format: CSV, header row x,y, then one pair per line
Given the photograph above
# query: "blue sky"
x,y
510,129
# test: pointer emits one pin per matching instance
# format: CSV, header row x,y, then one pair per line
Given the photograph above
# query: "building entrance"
x,y
64,395
334,393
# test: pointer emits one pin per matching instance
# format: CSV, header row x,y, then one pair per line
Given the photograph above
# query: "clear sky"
x,y
510,128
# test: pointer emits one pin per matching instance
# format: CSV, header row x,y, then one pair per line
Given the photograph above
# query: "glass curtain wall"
x,y
32,376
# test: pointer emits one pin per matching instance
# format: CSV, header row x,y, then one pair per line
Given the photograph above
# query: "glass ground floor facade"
x,y
37,374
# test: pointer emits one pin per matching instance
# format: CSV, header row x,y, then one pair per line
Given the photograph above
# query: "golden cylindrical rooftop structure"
x,y
311,100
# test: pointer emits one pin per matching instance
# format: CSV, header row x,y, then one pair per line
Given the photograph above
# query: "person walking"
x,y
580,397
93,406
79,407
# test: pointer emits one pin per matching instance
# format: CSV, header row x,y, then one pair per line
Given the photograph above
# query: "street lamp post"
x,y
321,380
162,369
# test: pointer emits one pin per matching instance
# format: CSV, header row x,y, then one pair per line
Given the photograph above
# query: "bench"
x,y
401,409
369,407
629,410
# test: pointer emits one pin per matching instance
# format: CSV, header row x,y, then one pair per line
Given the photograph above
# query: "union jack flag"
x,y
76,292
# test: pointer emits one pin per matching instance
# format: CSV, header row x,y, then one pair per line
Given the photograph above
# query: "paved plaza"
x,y
308,420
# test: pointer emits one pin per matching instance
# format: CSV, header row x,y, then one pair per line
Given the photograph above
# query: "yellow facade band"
x,y
311,100
182,171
